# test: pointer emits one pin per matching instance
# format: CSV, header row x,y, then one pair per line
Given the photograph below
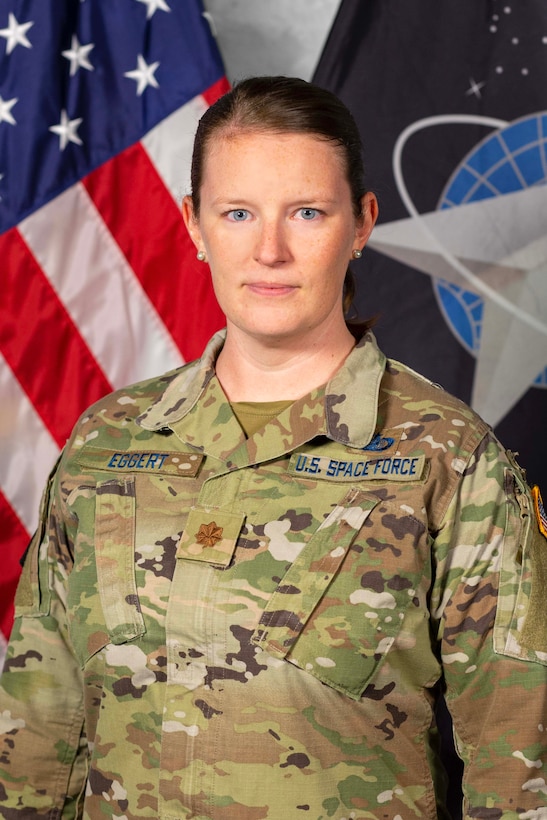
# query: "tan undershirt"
x,y
253,415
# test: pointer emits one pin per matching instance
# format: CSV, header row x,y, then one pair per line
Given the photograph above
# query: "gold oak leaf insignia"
x,y
209,534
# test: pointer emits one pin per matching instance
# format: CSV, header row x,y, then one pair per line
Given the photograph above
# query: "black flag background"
x,y
451,101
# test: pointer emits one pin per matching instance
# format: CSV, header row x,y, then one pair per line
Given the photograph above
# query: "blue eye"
x,y
308,213
238,215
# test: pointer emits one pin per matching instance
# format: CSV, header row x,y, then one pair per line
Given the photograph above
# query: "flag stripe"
x,y
102,297
26,295
27,449
135,204
216,90
14,540
169,146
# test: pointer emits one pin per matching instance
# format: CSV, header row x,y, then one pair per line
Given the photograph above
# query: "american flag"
x,y
99,100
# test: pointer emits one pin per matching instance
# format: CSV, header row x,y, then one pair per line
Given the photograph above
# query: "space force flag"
x,y
451,102
100,287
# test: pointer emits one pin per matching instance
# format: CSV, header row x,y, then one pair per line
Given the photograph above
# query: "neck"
x,y
253,370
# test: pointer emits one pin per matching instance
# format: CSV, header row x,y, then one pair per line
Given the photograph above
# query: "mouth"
x,y
270,288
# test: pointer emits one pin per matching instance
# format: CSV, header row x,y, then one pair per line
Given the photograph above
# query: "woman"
x,y
255,575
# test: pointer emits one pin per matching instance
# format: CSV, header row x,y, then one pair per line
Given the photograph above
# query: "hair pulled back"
x,y
283,105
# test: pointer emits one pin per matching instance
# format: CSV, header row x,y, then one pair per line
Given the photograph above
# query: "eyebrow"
x,y
301,201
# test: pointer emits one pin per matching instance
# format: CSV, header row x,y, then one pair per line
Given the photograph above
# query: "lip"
x,y
270,288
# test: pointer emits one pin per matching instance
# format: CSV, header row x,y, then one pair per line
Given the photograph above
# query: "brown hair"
x,y
285,105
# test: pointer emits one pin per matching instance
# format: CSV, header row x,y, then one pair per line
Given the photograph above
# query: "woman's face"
x,y
277,225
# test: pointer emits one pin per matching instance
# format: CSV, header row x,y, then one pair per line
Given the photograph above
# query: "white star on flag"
x,y
67,130
153,6
77,54
15,34
5,110
143,74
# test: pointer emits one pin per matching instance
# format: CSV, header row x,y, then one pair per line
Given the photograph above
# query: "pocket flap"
x,y
115,557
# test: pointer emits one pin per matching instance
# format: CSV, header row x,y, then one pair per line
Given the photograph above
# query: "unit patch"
x,y
394,468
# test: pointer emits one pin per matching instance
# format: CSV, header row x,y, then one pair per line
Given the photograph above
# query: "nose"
x,y
271,248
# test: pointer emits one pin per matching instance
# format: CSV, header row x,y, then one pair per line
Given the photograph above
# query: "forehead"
x,y
253,151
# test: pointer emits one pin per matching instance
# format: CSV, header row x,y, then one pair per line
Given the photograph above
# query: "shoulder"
x,y
114,422
123,407
424,409
129,405
403,378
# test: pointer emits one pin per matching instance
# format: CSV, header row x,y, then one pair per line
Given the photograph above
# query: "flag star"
x,y
474,88
153,6
77,54
15,34
5,110
67,130
143,74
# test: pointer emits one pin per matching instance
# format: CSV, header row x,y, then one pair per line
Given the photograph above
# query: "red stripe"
x,y
41,344
147,225
215,91
14,542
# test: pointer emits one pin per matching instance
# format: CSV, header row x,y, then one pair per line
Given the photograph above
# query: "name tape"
x,y
394,468
142,461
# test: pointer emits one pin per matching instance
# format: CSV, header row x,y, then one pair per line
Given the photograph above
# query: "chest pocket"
x,y
341,605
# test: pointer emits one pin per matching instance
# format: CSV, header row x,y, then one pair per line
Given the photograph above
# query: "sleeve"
x,y
43,750
490,608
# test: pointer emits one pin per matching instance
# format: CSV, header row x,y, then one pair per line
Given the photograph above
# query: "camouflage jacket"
x,y
210,626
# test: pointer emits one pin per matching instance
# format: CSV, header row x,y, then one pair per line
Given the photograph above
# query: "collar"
x,y
344,411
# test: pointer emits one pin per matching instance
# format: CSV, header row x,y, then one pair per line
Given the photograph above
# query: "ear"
x,y
369,215
191,222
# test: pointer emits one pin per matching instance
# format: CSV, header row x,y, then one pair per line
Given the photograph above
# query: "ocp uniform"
x,y
261,624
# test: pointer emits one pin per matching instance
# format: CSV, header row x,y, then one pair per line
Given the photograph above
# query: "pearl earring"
x,y
357,254
201,255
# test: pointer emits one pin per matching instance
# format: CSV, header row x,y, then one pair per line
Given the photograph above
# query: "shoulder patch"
x,y
541,515
520,630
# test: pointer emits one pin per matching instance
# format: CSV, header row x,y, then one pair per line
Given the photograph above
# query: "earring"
x,y
201,255
357,254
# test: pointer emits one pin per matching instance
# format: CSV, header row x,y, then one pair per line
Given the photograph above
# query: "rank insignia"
x,y
209,534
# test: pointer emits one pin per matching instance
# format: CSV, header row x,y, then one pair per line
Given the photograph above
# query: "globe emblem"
x,y
510,159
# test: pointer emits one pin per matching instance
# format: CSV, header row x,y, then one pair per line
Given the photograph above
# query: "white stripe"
x,y
27,450
169,146
99,289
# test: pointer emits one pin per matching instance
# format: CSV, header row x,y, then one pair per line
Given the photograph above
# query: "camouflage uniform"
x,y
215,627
